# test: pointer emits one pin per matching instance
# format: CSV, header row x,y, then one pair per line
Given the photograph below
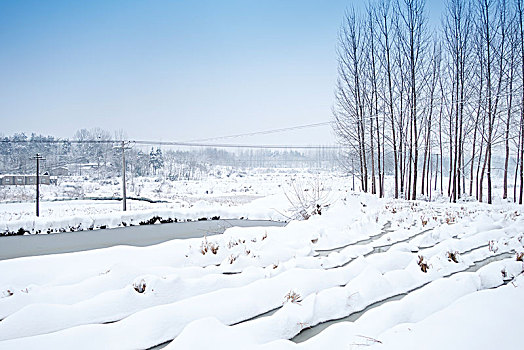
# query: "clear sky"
x,y
171,70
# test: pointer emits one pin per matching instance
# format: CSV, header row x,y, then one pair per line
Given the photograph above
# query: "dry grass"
x,y
453,256
306,200
231,259
292,297
491,246
206,246
424,267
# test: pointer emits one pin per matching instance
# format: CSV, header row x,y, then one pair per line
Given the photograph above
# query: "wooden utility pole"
x,y
353,173
123,146
38,158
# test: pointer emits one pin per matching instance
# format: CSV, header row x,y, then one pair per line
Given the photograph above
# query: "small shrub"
x,y
424,267
306,200
203,246
292,296
206,246
231,244
231,259
452,256
491,246
140,286
7,293
520,256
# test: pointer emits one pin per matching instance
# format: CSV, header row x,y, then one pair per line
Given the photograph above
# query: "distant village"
x,y
23,180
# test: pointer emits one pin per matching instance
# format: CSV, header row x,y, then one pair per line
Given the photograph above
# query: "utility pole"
x,y
353,173
123,146
38,158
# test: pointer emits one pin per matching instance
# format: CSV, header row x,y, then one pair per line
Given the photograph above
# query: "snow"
x,y
451,267
255,195
488,319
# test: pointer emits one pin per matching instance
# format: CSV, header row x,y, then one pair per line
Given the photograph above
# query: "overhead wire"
x,y
265,132
200,142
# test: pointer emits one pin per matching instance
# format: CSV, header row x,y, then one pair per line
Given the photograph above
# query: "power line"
x,y
445,103
265,132
199,142
60,141
182,144
229,145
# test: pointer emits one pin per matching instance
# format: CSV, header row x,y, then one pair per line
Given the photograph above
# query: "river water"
x,y
140,236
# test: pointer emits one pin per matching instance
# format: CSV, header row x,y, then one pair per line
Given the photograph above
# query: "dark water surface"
x,y
139,236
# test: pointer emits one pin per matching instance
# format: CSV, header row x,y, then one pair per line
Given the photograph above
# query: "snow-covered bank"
x,y
258,209
261,194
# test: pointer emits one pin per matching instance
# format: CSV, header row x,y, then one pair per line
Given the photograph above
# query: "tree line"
x,y
438,109
91,152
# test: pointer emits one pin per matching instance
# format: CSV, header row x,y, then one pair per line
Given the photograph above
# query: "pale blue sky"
x,y
171,70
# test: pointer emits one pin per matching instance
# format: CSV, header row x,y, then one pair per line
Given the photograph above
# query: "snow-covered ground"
x,y
254,194
448,273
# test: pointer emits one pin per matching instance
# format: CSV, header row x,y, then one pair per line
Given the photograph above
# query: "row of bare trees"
x,y
439,109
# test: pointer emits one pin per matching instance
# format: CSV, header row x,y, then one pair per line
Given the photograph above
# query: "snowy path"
x,y
257,287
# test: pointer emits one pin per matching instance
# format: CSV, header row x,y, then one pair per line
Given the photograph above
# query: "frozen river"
x,y
140,236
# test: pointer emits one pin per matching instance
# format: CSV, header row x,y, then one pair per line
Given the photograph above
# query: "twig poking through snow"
x,y
292,296
368,341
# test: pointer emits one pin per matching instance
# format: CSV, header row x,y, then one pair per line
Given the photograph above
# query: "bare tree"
x,y
457,33
349,109
385,25
413,38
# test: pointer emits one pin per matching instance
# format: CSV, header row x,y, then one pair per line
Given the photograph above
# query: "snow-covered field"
x,y
449,274
254,194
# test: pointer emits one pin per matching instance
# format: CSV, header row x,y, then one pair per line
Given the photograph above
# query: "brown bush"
x,y
424,267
